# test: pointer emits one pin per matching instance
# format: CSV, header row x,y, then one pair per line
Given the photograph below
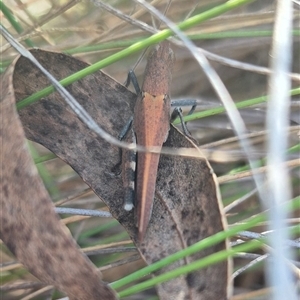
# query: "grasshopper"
x,y
150,127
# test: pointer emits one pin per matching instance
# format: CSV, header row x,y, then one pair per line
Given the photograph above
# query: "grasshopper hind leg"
x,y
129,157
129,173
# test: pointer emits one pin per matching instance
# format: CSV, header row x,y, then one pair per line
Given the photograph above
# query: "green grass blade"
x,y
13,21
201,245
219,110
199,264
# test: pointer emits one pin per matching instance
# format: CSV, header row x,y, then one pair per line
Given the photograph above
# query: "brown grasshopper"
x,y
150,127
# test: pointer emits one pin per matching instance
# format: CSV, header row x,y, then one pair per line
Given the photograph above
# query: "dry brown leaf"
x,y
186,207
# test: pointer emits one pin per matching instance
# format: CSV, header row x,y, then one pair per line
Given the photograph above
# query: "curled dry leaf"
x,y
186,206
29,226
